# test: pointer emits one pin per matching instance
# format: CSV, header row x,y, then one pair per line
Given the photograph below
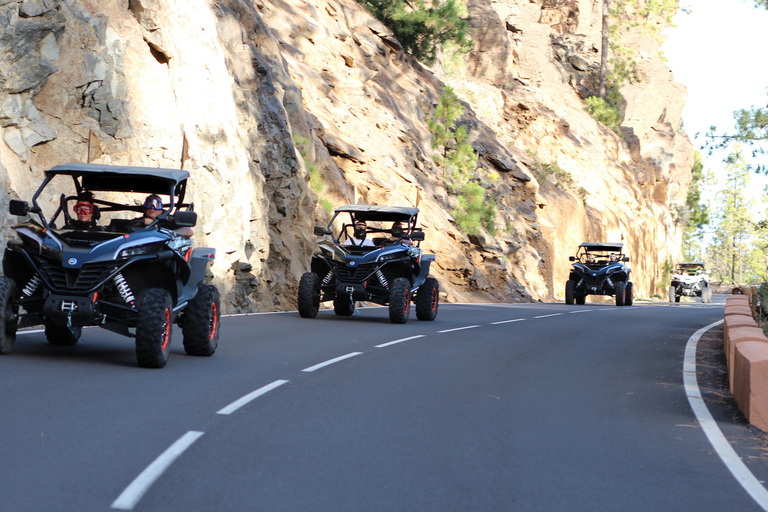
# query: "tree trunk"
x,y
604,52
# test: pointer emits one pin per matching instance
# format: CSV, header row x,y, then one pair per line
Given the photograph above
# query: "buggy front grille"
x,y
84,279
354,274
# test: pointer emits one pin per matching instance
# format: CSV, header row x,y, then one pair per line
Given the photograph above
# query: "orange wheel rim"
x,y
166,330
214,321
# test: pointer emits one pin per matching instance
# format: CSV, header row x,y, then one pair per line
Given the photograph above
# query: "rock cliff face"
x,y
265,90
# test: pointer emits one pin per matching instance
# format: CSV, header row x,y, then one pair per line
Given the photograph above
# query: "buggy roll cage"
x,y
407,215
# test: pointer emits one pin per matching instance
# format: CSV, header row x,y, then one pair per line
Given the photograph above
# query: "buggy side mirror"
x,y
625,259
185,219
418,236
571,258
321,231
17,207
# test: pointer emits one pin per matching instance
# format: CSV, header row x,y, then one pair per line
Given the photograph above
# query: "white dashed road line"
x,y
508,321
133,493
399,341
321,365
580,311
732,461
250,397
459,328
547,316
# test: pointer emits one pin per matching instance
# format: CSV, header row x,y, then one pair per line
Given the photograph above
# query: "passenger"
x,y
153,207
590,259
85,209
397,231
613,258
359,238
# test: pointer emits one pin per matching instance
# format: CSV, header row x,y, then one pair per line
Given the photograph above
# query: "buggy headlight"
x,y
138,250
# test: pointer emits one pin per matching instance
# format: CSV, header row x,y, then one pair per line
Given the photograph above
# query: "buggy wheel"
x,y
201,322
629,294
153,329
706,293
672,295
580,298
399,300
620,293
343,305
62,335
427,299
309,295
10,311
569,291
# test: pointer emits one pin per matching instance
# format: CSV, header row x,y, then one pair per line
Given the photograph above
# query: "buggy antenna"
x,y
184,151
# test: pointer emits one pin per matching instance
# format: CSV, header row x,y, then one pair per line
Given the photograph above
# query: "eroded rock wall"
x,y
264,90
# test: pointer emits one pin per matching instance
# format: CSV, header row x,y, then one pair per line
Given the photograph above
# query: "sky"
x,y
718,52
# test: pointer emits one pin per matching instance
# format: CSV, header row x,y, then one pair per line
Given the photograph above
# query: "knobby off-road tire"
x,y
706,293
580,298
309,295
428,299
201,322
153,329
629,294
62,335
399,300
620,293
343,305
9,311
570,287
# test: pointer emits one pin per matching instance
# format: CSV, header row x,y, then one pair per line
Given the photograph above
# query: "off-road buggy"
x,y
392,270
599,269
690,279
135,281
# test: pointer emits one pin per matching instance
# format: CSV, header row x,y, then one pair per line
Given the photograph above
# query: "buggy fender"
x,y
198,262
424,262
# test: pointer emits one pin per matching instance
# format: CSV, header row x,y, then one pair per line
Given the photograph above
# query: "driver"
x,y
397,231
613,258
359,238
153,207
590,258
84,209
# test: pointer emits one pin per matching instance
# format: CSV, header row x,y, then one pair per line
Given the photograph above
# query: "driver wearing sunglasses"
x,y
153,207
84,210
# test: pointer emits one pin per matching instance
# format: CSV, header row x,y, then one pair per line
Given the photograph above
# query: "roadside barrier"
x,y
746,353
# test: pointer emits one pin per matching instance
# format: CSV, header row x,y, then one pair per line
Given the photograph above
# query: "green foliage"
x,y
697,212
666,275
604,112
751,129
543,170
315,176
459,161
733,257
424,31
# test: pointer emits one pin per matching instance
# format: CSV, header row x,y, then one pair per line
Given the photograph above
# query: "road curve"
x,y
490,407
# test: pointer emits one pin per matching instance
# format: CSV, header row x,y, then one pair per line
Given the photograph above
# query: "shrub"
x,y
603,112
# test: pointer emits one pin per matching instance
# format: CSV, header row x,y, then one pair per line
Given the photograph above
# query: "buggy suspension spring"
x,y
382,279
328,277
124,289
30,287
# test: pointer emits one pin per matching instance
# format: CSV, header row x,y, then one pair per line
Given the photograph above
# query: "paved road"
x,y
490,407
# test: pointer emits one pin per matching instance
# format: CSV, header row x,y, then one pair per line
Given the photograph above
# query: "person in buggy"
x,y
87,214
153,207
359,237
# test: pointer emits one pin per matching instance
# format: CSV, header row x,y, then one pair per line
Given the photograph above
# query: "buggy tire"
x,y
620,290
399,300
428,299
569,292
201,322
580,298
62,335
10,312
343,305
629,294
672,294
153,329
309,295
706,293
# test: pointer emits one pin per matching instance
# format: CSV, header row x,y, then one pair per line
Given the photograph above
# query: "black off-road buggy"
x,y
390,271
599,269
135,281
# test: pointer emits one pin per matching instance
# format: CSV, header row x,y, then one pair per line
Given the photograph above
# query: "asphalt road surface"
x,y
540,407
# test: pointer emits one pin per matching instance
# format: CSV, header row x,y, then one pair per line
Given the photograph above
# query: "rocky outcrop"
x,y
264,91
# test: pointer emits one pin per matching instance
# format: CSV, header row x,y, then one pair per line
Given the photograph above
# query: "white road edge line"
x,y
727,454
459,328
508,321
399,341
253,395
141,484
547,316
321,365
